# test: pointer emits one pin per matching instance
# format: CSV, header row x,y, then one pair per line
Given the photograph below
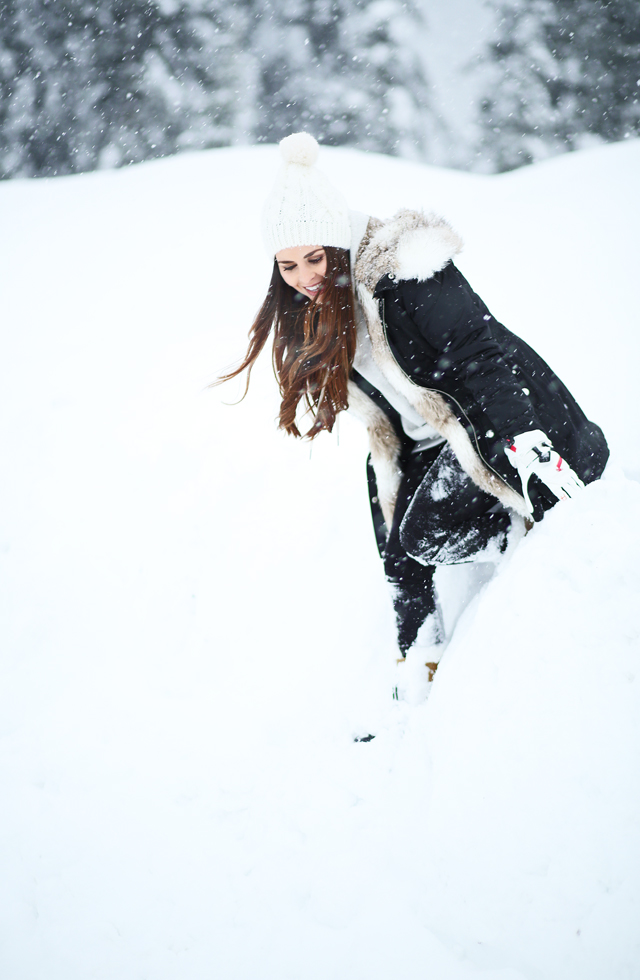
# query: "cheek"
x,y
289,277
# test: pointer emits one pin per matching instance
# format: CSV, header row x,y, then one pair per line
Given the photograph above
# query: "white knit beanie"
x,y
303,207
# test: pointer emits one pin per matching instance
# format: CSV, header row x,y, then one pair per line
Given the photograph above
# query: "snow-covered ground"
x,y
195,625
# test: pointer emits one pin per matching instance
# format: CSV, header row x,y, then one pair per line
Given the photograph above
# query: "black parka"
x,y
445,339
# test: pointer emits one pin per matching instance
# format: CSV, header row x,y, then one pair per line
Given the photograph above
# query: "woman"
x,y
469,429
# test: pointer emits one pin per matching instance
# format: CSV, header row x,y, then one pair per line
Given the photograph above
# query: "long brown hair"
x,y
314,343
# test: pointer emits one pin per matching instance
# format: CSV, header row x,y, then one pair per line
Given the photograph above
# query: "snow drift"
x,y
195,625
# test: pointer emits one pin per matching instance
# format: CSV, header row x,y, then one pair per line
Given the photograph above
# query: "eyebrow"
x,y
293,261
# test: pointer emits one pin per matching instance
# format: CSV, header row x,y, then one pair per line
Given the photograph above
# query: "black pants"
x,y
441,518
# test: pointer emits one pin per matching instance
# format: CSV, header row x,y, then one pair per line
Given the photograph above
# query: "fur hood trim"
x,y
411,245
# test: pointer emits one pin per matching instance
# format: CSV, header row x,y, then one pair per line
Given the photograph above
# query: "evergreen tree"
x,y
347,70
89,83
569,74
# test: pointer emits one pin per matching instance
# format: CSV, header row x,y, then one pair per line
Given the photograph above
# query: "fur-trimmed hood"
x,y
410,246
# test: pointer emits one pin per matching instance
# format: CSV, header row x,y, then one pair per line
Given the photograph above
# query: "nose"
x,y
309,277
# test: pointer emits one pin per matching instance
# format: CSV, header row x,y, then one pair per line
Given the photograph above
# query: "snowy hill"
x,y
195,625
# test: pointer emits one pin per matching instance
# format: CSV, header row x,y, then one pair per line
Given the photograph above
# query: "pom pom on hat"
x,y
303,207
299,148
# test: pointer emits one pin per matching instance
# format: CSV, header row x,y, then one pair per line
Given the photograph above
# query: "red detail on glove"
x,y
559,463
513,448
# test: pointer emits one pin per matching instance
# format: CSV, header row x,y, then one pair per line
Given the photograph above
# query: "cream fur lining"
x,y
384,446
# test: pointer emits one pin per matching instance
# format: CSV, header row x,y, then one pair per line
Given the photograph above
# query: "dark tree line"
x,y
568,76
88,83
102,83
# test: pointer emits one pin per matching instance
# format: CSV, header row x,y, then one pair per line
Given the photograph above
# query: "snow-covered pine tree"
x,y
90,83
349,71
568,74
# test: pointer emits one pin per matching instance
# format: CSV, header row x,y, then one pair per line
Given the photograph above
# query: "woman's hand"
x,y
533,453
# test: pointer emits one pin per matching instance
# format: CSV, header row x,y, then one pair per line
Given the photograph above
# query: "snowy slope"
x,y
195,627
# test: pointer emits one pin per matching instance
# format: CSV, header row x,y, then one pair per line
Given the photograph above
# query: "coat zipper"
x,y
445,394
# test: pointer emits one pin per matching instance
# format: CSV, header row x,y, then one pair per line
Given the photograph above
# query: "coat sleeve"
x,y
457,325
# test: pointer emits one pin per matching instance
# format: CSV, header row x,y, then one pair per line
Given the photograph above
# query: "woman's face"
x,y
303,268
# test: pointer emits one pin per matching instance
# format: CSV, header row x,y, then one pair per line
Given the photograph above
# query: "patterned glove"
x,y
532,452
